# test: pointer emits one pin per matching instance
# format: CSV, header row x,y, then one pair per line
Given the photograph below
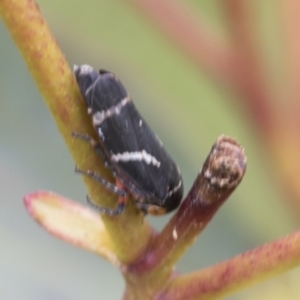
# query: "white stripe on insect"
x,y
133,156
101,134
175,189
84,69
100,116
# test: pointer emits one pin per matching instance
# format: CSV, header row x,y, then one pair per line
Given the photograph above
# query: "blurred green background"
x,y
183,106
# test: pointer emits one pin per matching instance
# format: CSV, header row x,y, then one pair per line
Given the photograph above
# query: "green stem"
x,y
58,87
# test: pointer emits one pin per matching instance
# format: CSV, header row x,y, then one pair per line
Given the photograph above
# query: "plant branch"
x,y
71,222
222,172
56,83
237,273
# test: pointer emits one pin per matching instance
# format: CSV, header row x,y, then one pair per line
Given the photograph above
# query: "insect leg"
x,y
101,180
90,140
121,192
109,211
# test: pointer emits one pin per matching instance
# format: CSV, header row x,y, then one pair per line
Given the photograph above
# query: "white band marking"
x,y
101,134
175,189
138,155
100,116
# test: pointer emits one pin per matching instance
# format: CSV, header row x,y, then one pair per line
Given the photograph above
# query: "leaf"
x,y
71,222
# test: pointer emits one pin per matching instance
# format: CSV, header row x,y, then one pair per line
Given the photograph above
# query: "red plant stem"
x,y
236,273
192,217
222,172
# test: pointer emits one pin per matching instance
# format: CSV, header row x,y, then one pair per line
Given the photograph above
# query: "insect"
x,y
139,162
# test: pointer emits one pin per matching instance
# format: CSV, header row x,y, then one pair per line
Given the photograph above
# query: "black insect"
x,y
137,158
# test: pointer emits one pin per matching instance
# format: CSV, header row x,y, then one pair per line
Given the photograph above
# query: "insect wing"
x,y
138,154
129,145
